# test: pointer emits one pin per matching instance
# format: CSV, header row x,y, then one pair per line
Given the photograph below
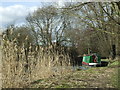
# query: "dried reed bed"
x,y
44,62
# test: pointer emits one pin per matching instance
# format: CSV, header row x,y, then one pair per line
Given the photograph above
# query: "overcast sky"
x,y
14,12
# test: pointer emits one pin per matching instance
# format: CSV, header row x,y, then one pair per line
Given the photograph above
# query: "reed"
x,y
18,71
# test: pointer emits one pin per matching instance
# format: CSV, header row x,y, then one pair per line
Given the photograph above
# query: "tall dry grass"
x,y
43,62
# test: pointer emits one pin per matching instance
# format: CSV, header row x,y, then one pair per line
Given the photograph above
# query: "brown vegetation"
x,y
19,71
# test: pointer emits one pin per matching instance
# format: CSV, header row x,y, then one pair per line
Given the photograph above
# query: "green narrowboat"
x,y
93,59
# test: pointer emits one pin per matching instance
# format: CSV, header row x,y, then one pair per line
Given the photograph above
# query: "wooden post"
x,y
0,60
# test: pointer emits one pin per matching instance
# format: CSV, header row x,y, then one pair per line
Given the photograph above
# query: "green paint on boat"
x,y
93,58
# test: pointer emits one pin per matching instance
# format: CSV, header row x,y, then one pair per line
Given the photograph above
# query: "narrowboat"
x,y
91,60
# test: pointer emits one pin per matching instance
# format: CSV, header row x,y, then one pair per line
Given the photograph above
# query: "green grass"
x,y
114,64
114,80
105,60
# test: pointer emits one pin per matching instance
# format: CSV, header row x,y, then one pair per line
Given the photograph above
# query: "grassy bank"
x,y
96,77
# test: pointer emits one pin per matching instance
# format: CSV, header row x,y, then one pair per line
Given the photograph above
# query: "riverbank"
x,y
96,77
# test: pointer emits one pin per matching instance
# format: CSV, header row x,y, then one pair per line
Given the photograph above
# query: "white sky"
x,y
15,12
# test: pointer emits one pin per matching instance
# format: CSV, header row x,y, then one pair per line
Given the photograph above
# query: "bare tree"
x,y
101,17
48,25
